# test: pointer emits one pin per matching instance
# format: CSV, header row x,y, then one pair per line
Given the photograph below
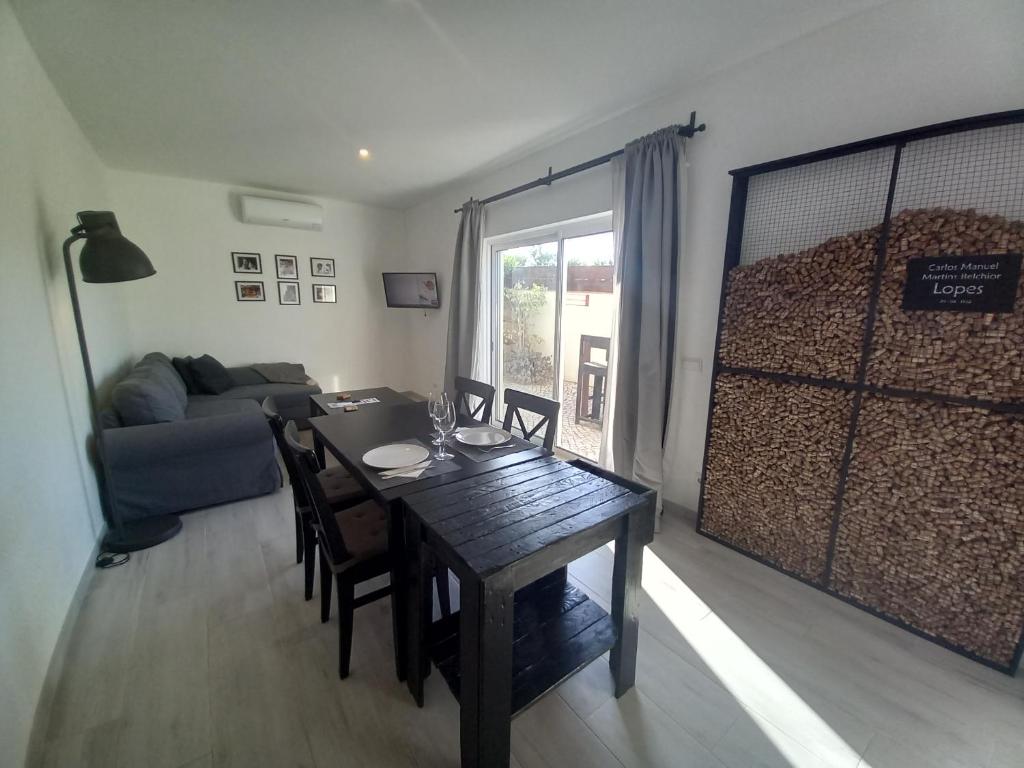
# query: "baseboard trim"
x,y
41,722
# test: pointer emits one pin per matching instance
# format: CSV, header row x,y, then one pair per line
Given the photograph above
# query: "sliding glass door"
x,y
529,287
553,321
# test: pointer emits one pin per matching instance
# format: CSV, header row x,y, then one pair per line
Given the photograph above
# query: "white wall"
x,y
905,64
189,229
50,518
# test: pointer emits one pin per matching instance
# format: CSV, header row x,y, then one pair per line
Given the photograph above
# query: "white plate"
x,y
482,437
395,456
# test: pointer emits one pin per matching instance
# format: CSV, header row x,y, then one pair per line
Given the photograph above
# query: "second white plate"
x,y
395,456
482,437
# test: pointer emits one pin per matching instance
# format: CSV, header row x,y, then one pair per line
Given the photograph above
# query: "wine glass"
x,y
445,423
433,411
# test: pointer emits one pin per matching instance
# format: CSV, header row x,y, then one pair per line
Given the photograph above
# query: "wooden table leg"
x,y
485,632
399,584
420,606
629,553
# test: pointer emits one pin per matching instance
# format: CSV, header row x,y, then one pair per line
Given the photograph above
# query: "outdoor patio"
x,y
584,438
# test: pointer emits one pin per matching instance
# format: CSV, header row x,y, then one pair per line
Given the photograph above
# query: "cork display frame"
x,y
864,443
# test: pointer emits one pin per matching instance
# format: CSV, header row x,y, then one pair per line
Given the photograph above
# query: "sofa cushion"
x,y
243,376
259,391
282,373
160,367
340,488
211,376
364,528
183,365
145,397
203,407
109,419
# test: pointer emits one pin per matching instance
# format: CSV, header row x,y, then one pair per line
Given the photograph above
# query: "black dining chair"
x,y
353,545
339,487
464,389
517,403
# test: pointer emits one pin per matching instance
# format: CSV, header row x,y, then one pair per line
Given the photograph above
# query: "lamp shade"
x,y
110,257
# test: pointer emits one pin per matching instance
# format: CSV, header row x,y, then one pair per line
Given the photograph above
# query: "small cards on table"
x,y
352,404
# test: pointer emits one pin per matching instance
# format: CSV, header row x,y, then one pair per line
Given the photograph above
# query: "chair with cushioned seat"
x,y
353,545
339,488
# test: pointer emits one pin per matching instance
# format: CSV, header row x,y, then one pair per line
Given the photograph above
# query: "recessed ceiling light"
x,y
364,154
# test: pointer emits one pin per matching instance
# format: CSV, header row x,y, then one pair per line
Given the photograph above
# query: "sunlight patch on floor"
x,y
742,672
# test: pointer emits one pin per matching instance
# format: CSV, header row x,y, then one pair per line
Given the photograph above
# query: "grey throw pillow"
x,y
143,398
183,365
212,377
160,367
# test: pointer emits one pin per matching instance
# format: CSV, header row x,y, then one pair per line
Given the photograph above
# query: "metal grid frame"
x,y
792,209
911,182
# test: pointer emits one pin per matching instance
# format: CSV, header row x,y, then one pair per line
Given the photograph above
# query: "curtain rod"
x,y
687,130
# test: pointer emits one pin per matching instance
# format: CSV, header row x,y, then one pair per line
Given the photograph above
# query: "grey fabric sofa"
x,y
168,451
292,399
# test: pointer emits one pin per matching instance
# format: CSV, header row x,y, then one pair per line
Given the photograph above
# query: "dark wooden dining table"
x,y
522,627
349,435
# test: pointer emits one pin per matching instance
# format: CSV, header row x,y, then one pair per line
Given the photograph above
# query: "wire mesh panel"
x,y
797,208
773,464
958,195
967,354
979,170
931,530
821,219
776,319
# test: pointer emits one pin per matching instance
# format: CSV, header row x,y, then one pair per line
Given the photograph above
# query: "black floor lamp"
x,y
109,257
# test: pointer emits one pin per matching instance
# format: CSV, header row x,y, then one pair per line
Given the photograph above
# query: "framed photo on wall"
x,y
324,294
287,267
249,290
288,293
246,263
321,267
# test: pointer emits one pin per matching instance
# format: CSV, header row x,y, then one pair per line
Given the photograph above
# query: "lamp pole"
x,y
145,532
78,233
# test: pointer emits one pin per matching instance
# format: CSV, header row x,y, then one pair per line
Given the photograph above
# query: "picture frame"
x,y
288,292
245,263
249,290
287,266
324,294
322,268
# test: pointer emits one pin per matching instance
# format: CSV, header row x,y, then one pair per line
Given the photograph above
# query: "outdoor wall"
x,y
898,66
577,319
50,518
189,228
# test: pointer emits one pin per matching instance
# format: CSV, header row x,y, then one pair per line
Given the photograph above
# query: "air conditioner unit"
x,y
281,213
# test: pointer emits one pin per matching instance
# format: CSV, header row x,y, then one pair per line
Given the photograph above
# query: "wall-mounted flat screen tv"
x,y
416,290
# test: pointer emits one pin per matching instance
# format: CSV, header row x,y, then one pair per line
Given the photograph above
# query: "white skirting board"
x,y
55,670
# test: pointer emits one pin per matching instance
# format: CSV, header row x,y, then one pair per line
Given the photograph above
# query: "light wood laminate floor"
x,y
201,652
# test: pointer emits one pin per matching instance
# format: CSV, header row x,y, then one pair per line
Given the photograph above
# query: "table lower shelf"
x,y
557,631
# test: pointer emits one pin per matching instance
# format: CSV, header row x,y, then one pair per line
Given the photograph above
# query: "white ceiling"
x,y
281,93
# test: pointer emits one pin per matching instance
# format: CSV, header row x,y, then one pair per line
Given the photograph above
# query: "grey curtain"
x,y
464,296
647,239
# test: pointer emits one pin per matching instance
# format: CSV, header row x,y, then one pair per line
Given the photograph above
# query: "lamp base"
x,y
142,534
